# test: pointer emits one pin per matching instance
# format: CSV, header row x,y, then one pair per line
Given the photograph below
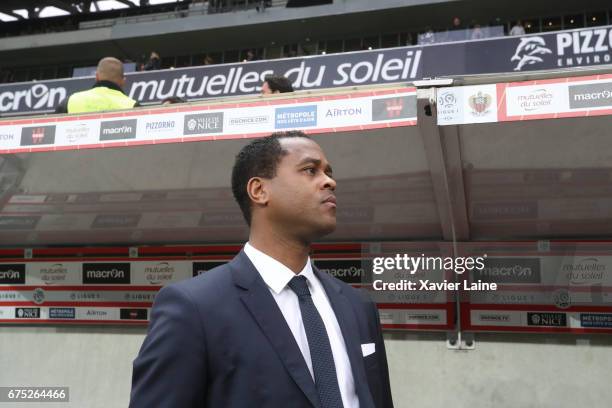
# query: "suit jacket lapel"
x,y
260,303
345,314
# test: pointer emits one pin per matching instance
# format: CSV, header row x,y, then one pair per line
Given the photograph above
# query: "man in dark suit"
x,y
267,330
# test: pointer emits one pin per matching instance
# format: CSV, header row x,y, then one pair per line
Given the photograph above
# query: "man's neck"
x,y
290,252
108,84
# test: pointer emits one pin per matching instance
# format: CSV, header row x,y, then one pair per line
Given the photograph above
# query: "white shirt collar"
x,y
275,274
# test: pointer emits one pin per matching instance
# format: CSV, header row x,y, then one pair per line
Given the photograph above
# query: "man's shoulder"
x,y
80,93
210,284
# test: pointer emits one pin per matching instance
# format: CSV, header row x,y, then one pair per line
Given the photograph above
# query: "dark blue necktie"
x,y
321,355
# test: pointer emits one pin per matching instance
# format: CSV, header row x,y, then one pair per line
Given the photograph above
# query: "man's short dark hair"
x,y
257,159
173,99
278,83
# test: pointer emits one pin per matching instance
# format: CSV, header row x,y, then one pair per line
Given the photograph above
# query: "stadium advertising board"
x,y
517,101
337,113
564,49
542,287
94,290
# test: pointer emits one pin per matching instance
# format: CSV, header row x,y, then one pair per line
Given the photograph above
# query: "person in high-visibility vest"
x,y
106,94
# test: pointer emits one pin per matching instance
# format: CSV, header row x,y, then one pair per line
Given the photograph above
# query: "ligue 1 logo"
x,y
447,100
562,298
38,296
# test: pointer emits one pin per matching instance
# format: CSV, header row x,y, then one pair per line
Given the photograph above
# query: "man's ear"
x,y
97,77
257,189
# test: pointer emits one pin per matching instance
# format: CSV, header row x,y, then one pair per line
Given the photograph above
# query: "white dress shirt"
x,y
277,276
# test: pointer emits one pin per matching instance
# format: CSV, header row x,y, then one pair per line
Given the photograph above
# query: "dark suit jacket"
x,y
219,340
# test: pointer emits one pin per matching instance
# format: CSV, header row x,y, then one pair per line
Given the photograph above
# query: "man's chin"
x,y
327,228
314,231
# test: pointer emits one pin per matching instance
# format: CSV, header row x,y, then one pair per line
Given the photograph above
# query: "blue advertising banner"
x,y
563,49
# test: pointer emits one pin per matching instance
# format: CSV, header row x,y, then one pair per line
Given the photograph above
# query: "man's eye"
x,y
310,170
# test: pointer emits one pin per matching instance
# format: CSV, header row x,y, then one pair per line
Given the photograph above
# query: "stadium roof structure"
x,y
192,32
34,7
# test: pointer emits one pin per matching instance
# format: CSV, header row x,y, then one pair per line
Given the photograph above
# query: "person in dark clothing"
x,y
172,100
268,329
274,84
154,62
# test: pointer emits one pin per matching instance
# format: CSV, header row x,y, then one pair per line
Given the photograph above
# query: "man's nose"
x,y
330,183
